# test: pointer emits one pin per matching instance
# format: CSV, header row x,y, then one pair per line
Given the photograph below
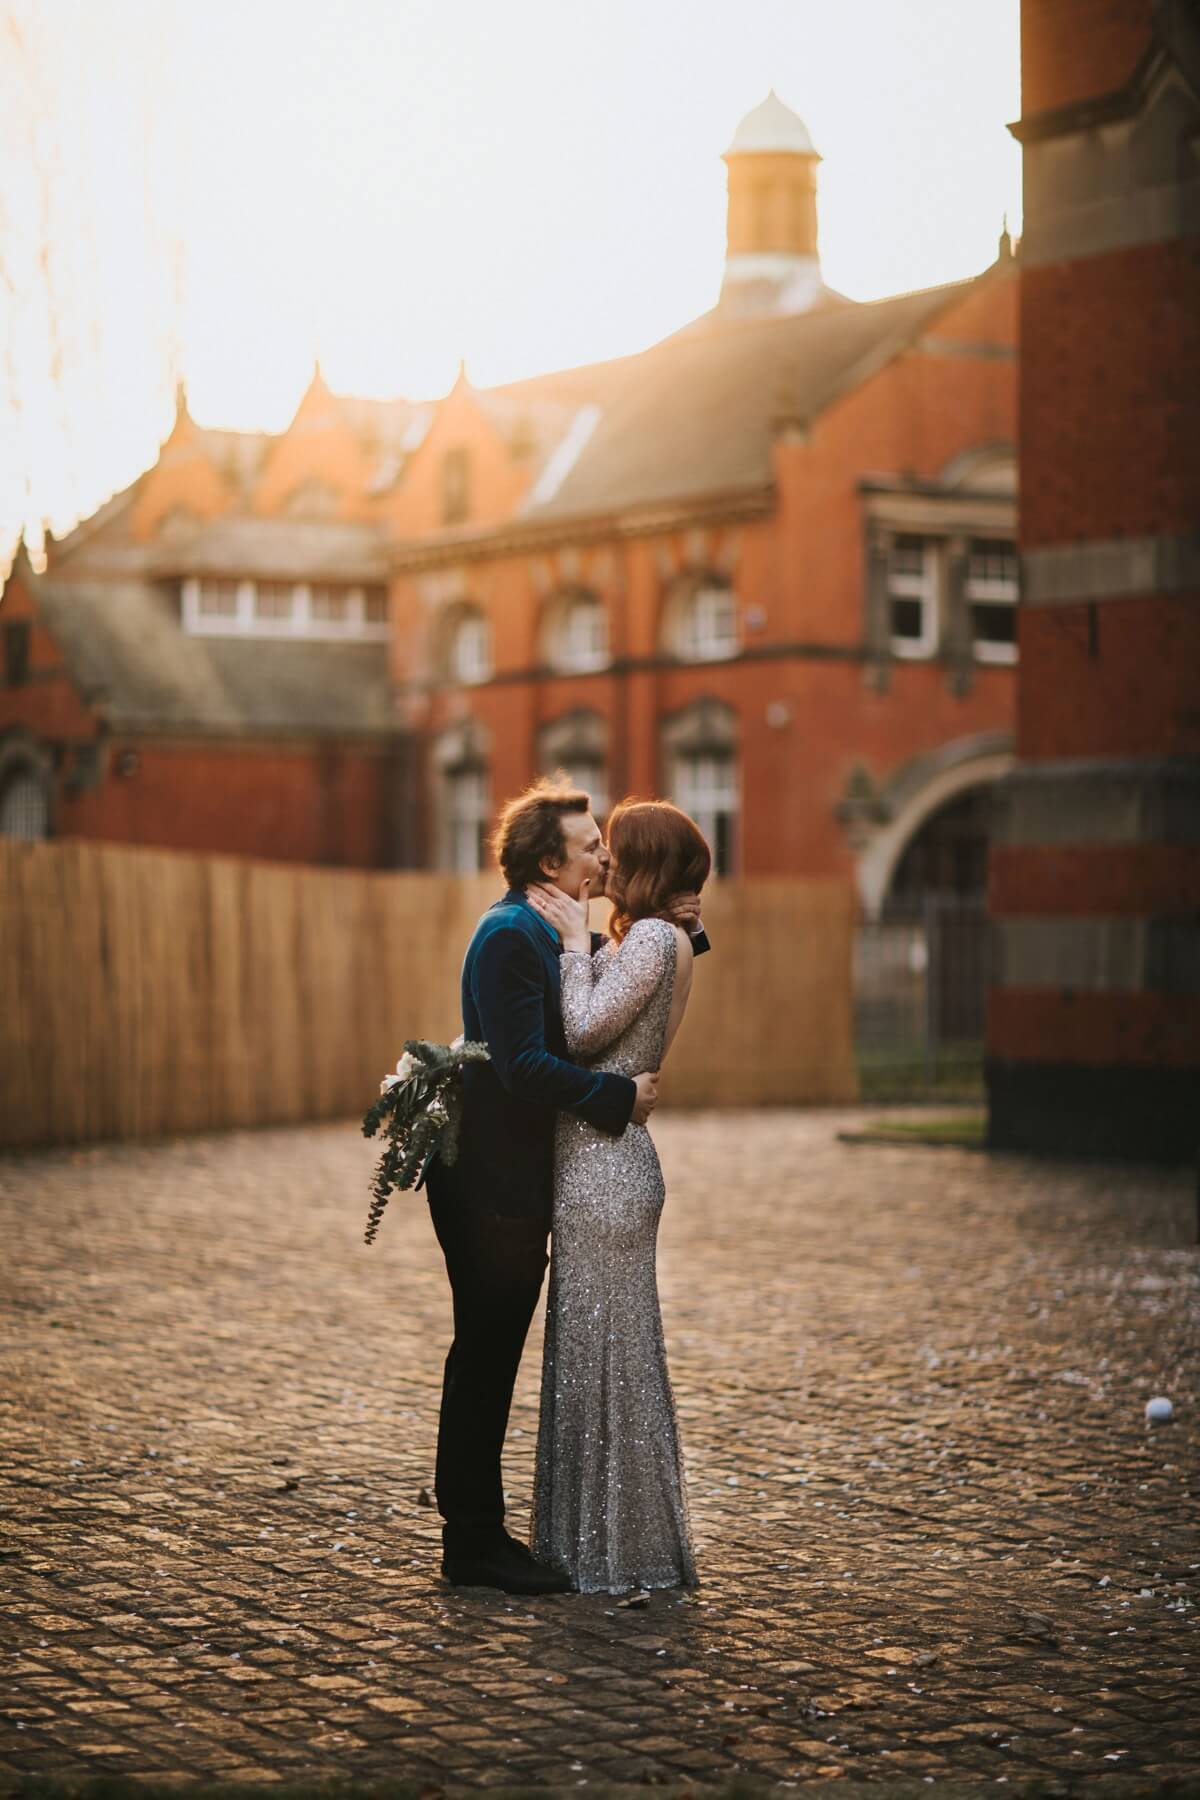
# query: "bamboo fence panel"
x,y
145,993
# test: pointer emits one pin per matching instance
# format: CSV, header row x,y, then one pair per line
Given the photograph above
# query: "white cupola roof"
x,y
772,126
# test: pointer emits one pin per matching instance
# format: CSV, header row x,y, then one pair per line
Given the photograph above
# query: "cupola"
x,y
771,261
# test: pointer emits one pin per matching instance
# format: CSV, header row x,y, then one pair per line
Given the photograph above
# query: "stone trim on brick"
x,y
1098,955
1097,802
1111,569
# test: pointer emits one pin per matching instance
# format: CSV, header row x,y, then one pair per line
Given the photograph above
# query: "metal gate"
x,y
920,985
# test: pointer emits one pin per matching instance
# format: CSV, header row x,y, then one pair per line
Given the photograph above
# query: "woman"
x,y
609,1500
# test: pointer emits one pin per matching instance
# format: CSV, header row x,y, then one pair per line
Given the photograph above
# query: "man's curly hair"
x,y
529,830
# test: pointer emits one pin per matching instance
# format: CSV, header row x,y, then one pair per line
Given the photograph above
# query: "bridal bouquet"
x,y
419,1109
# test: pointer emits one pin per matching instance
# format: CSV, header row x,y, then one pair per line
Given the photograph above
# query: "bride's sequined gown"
x,y
609,1499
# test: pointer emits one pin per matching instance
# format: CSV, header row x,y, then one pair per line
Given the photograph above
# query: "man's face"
x,y
586,859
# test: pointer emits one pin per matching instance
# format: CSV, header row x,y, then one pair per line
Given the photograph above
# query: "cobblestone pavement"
x,y
937,1537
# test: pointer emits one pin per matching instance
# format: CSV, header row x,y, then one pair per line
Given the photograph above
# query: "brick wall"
x,y
1094,1020
302,803
1110,378
1113,679
1074,49
803,566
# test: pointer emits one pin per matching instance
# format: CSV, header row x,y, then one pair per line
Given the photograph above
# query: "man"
x,y
491,1211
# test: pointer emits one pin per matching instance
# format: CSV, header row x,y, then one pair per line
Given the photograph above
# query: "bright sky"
x,y
224,187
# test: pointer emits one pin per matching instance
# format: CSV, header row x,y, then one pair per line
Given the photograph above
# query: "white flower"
x,y
458,1042
404,1072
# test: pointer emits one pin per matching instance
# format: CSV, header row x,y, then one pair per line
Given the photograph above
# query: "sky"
x,y
223,190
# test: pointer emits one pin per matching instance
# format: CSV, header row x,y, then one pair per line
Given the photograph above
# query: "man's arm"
x,y
508,983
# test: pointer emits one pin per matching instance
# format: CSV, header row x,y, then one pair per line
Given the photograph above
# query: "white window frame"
x,y
992,591
572,653
260,623
590,774
707,796
470,648
465,828
244,623
924,586
710,606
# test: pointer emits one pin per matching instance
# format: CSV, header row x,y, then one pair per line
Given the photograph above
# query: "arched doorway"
x,y
947,857
922,962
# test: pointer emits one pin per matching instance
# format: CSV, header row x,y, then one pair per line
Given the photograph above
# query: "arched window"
x,y
577,634
24,804
578,745
700,757
467,652
466,818
462,797
702,620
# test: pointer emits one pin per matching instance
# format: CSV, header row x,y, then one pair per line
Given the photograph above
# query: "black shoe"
x,y
499,1543
509,1567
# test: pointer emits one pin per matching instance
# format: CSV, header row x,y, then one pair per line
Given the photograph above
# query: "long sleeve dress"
x,y
610,1504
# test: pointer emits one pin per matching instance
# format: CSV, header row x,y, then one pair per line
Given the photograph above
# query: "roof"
x,y
695,415
130,658
272,548
538,414
772,126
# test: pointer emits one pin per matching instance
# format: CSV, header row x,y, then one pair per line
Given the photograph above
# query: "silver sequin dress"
x,y
609,1500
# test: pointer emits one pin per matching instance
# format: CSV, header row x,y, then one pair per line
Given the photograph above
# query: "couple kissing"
x,y
553,1144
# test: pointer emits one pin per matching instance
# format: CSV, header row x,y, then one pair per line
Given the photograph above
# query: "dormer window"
x,y
329,605
456,486
217,599
327,609
274,600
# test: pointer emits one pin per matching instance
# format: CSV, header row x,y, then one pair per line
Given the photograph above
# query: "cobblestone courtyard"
x,y
936,1536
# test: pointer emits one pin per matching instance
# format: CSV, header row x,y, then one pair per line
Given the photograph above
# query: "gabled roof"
x,y
130,658
695,414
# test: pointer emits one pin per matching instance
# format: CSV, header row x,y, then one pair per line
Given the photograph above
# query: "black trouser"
x,y
495,1265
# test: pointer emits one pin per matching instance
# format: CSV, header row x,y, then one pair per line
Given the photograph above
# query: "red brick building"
x,y
767,566
1094,1025
203,663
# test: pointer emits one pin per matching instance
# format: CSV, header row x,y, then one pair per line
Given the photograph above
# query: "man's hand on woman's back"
x,y
647,1097
684,909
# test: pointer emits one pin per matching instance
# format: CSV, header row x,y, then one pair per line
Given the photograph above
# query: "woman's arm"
x,y
601,999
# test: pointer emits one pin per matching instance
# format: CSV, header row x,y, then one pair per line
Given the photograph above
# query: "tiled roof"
x,y
279,549
695,414
130,657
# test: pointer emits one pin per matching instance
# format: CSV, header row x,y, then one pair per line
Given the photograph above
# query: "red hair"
x,y
657,851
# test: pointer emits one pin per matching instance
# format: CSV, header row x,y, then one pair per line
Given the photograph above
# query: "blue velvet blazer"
x,y
511,1002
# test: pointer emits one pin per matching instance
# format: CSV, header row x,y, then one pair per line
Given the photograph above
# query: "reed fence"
x,y
145,993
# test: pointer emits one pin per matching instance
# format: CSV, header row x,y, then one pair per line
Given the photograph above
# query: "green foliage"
x,y
418,1116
